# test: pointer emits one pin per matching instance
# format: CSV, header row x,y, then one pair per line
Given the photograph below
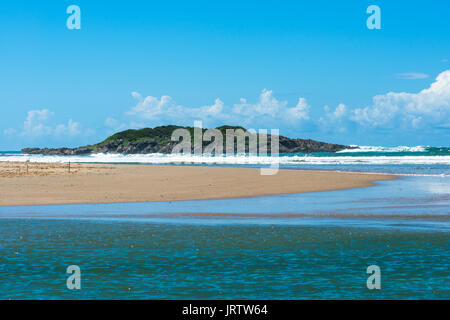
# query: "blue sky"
x,y
310,68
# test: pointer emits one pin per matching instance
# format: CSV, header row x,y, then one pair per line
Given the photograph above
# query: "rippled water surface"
x,y
126,260
315,245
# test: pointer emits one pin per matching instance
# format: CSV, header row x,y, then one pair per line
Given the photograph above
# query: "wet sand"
x,y
54,183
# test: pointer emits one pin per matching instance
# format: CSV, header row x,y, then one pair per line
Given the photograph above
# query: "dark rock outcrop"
x,y
158,140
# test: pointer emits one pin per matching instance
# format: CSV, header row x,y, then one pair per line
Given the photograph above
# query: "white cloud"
x,y
334,119
38,124
267,105
35,123
265,111
151,108
212,110
340,111
411,75
427,108
72,128
430,106
300,111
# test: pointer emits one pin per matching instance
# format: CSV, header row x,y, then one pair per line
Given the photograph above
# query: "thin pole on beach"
x,y
27,165
69,166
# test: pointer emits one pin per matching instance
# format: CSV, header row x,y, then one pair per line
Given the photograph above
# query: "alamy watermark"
x,y
237,141
74,280
374,280
374,20
74,20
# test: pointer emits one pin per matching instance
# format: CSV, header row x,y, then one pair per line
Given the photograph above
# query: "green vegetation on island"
x,y
159,140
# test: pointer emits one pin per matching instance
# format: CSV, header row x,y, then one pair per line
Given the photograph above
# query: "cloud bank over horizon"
x,y
427,111
267,111
38,126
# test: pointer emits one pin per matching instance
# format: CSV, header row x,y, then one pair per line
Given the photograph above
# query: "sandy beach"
x,y
52,183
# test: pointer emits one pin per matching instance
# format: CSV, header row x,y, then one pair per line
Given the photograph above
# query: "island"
x,y
158,140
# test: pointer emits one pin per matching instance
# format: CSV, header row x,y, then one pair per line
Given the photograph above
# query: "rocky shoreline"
x,y
158,140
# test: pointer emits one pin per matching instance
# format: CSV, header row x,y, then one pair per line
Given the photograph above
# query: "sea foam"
x,y
296,159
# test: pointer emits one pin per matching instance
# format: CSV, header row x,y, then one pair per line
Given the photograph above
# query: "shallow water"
x,y
252,248
408,202
129,260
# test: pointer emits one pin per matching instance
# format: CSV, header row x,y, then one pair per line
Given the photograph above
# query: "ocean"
x,y
297,246
402,160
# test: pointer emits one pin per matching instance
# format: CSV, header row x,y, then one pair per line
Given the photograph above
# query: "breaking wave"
x,y
342,158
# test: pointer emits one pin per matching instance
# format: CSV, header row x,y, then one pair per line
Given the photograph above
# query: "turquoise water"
x,y
256,248
298,246
362,151
400,160
126,260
